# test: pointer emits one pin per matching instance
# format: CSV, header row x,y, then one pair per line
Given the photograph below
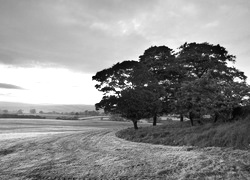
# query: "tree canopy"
x,y
198,59
130,90
211,84
197,79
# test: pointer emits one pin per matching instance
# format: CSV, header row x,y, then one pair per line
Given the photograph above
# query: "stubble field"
x,y
53,149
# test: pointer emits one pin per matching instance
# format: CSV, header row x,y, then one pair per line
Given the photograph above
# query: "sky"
x,y
49,50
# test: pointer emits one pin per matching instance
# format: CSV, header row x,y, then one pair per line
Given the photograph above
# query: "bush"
x,y
67,118
116,117
21,116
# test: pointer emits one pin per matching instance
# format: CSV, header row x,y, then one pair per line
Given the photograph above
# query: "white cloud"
x,y
49,85
211,24
88,36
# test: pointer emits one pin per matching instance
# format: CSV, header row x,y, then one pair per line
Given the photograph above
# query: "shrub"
x,y
116,117
21,116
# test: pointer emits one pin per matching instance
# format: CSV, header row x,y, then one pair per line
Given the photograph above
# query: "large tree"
x,y
140,102
112,82
123,86
212,84
162,63
207,95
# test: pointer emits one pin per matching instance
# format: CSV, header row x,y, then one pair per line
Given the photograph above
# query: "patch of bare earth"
x,y
99,154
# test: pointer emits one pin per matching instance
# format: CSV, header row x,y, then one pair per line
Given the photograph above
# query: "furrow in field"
x,y
99,154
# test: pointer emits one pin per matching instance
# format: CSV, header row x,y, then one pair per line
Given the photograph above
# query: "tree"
x,y
20,111
207,66
118,84
231,95
207,95
138,103
41,112
197,97
162,63
112,82
33,111
5,111
197,80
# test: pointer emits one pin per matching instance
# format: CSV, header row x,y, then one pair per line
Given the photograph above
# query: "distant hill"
x,y
15,106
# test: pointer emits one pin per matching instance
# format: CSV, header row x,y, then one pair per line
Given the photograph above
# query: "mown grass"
x,y
234,134
89,152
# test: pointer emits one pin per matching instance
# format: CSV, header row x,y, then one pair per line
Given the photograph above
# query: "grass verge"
x,y
174,133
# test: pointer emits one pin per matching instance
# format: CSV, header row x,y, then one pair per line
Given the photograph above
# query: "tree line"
x,y
34,111
195,80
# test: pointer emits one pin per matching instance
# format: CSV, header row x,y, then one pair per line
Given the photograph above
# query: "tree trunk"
x,y
191,118
216,117
181,117
155,120
135,124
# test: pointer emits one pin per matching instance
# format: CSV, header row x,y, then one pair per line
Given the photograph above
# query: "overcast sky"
x,y
49,49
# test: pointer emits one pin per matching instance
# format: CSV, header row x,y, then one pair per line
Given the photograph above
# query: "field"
x,y
175,133
89,149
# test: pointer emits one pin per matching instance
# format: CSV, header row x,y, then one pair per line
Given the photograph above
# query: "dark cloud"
x,y
90,35
82,35
9,86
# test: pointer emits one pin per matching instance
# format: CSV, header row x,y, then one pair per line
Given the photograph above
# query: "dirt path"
x,y
99,154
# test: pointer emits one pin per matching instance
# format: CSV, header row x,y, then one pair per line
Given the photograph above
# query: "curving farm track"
x,y
96,153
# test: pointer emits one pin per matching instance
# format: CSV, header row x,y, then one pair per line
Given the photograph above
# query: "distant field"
x,y
51,125
14,106
89,149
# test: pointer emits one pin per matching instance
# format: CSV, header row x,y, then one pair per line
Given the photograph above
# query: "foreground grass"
x,y
235,134
98,154
91,152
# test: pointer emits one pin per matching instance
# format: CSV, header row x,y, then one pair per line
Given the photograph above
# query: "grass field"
x,y
89,149
175,133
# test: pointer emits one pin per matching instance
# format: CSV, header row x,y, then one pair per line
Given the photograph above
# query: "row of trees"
x,y
195,80
20,111
34,111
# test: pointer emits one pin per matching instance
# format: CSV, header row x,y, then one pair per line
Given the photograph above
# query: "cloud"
x,y
211,24
9,86
77,35
91,35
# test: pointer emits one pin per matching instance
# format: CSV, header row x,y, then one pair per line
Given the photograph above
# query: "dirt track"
x,y
99,154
